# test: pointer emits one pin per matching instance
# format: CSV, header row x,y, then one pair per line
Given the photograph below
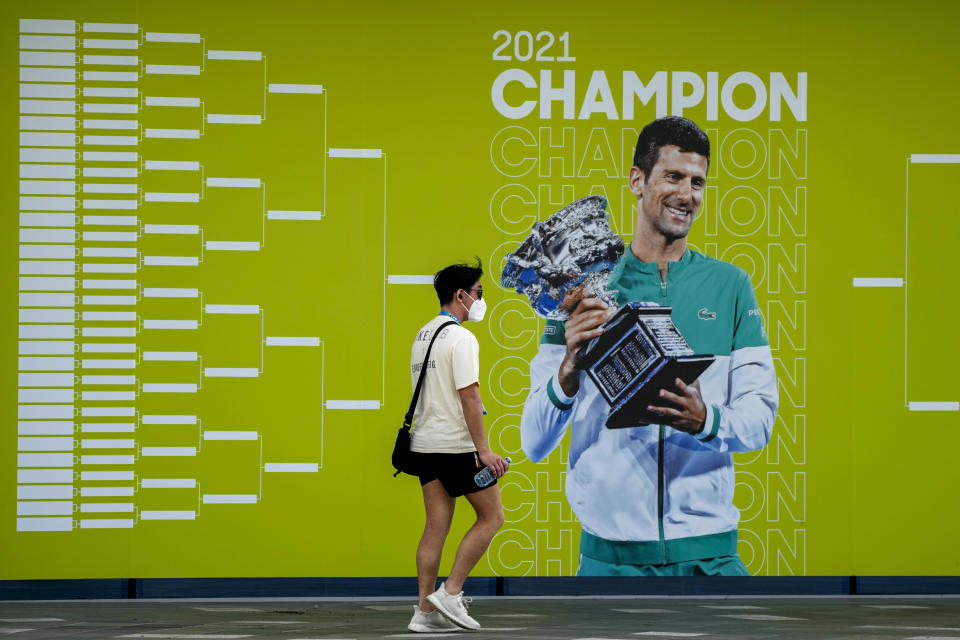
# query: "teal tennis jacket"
x,y
667,493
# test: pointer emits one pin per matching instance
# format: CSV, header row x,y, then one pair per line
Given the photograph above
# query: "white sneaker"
x,y
426,622
453,608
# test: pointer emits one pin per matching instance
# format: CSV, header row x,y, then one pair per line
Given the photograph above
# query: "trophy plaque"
x,y
640,352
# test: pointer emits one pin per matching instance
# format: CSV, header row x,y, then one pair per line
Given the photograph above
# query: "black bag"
x,y
404,460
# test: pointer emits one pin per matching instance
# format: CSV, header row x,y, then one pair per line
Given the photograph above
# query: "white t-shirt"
x,y
438,422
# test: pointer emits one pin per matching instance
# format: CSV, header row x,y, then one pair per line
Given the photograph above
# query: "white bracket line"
x,y
918,158
934,406
878,282
410,279
326,140
376,154
935,158
355,153
353,404
383,307
906,265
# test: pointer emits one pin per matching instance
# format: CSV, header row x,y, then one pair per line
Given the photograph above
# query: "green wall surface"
x,y
329,158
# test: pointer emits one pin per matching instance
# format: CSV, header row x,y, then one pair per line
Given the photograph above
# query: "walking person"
x,y
451,446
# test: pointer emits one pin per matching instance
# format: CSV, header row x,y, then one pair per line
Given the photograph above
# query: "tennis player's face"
x,y
670,197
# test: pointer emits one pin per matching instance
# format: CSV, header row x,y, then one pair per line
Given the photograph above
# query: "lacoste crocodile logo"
x,y
706,314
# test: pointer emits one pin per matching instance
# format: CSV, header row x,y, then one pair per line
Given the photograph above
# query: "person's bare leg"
x,y
489,519
439,510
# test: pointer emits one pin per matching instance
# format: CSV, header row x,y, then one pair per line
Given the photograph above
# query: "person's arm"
x,y
465,365
473,414
547,410
583,325
555,380
743,421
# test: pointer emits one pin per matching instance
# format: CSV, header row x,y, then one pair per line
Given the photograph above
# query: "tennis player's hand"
x,y
583,325
689,413
496,463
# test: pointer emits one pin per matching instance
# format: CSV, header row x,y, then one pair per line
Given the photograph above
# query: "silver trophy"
x,y
566,257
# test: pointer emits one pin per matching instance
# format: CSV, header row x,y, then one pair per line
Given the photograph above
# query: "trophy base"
x,y
632,411
640,352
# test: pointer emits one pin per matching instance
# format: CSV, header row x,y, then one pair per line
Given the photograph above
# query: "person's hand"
x,y
583,325
690,412
496,463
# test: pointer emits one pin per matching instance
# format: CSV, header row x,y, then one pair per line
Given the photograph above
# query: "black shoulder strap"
x,y
408,419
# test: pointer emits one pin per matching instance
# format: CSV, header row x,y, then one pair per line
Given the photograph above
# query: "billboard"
x,y
224,219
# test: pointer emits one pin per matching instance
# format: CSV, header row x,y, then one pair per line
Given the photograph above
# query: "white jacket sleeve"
x,y
547,411
744,420
740,418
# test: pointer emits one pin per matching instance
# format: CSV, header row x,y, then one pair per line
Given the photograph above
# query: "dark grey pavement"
x,y
708,618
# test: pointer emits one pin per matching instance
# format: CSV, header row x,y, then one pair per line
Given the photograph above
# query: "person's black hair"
x,y
451,279
670,130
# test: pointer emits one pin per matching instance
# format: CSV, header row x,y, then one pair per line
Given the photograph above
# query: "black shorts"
x,y
455,471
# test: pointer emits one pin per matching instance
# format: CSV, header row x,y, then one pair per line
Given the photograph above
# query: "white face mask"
x,y
476,312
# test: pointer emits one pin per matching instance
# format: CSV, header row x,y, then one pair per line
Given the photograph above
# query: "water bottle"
x,y
485,477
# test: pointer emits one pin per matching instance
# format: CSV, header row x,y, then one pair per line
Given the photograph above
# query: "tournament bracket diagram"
x,y
173,197
927,318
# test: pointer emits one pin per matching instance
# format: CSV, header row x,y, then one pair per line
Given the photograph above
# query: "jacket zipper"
x,y
660,496
661,481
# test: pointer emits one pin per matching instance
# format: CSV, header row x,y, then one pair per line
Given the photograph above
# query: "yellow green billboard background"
x,y
332,157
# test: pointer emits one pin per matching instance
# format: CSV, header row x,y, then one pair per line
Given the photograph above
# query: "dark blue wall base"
x,y
508,586
687,586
